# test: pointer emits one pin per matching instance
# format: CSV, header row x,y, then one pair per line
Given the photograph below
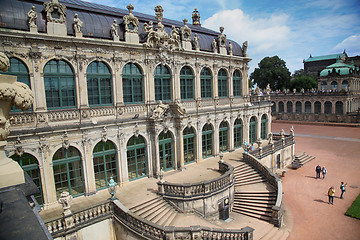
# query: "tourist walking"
x,y
342,188
331,194
318,170
324,171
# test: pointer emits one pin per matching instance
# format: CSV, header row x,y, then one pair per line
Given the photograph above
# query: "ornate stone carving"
x,y
65,201
55,12
196,17
244,49
185,32
196,42
222,38
292,131
214,46
32,15
270,138
18,147
160,110
130,21
77,25
114,31
66,142
104,137
174,41
230,48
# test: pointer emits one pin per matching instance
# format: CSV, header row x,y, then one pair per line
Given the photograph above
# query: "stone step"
x,y
147,208
241,175
264,217
169,219
260,212
155,211
162,216
250,180
244,170
255,206
249,183
249,177
249,200
143,205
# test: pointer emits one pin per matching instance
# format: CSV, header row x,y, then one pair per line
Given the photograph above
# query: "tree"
x,y
273,71
301,80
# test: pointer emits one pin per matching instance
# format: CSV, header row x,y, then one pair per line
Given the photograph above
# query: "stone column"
x,y
231,135
258,127
123,162
230,83
88,164
245,82
198,144
180,147
216,147
38,80
119,99
215,84
197,92
150,84
80,74
246,130
146,87
176,84
333,105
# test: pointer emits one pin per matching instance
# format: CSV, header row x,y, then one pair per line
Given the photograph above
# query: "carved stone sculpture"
x,y
32,15
222,42
77,25
292,130
196,42
65,201
214,46
131,26
11,92
55,17
270,138
244,48
114,31
175,43
230,48
159,110
186,32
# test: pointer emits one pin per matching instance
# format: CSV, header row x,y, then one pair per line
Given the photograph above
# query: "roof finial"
x,y
310,55
344,51
196,17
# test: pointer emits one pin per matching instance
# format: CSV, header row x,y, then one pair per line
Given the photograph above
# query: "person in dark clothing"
x,y
318,171
342,188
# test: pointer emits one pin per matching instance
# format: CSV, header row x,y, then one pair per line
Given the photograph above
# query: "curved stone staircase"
x,y
301,159
156,210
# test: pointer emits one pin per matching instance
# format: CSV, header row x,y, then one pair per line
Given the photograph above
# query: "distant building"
x,y
314,65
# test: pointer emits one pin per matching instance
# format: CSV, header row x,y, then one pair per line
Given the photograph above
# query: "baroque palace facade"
x,y
121,94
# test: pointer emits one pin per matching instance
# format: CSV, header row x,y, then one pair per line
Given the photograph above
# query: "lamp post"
x,y
112,188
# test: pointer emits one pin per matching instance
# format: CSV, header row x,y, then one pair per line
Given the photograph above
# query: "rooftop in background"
x,y
326,57
339,68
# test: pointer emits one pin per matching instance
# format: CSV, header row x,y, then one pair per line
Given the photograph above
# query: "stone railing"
x,y
102,111
61,226
278,144
272,179
259,98
198,190
149,230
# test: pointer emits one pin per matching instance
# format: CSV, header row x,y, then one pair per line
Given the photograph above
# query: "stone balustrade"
x,y
149,230
61,226
277,145
201,189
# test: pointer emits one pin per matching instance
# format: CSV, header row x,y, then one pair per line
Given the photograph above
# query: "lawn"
x,y
354,210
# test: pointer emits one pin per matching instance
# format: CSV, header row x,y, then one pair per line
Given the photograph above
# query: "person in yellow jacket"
x,y
331,194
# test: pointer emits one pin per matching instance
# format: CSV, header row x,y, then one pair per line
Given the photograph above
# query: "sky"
x,y
289,29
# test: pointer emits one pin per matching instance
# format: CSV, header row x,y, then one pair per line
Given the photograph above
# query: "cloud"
x,y
351,44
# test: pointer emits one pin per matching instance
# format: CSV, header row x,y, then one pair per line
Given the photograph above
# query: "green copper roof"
x,y
339,68
325,57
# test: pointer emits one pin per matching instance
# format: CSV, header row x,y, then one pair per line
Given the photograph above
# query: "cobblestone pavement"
x,y
338,149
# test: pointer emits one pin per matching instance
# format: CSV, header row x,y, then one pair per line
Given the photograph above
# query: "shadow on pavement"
x,y
310,177
320,201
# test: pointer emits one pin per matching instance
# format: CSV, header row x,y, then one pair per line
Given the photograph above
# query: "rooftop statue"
x,y
32,15
77,23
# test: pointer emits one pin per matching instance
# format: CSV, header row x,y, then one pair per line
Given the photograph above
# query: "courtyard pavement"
x,y
338,149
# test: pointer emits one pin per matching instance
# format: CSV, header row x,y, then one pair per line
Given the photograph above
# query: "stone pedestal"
x,y
10,171
33,29
222,50
131,37
116,38
58,29
78,34
186,45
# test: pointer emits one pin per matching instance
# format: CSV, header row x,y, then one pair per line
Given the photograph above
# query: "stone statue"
x,y
174,41
270,138
196,42
244,48
65,201
32,15
131,22
222,38
282,134
148,27
180,110
292,130
114,29
230,48
268,89
214,46
159,110
77,23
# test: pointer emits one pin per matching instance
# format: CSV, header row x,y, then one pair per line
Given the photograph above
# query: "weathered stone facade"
x,y
85,141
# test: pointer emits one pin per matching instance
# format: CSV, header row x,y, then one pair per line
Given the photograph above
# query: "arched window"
x,y
307,107
223,137
59,85
238,133
273,107
328,107
20,70
317,107
136,157
289,107
339,108
162,80
298,107
189,145
323,85
207,141
237,83
263,127
334,85
252,130
30,165
281,107
105,164
99,84
68,173
166,151
222,83
206,83
345,84
132,84
186,83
